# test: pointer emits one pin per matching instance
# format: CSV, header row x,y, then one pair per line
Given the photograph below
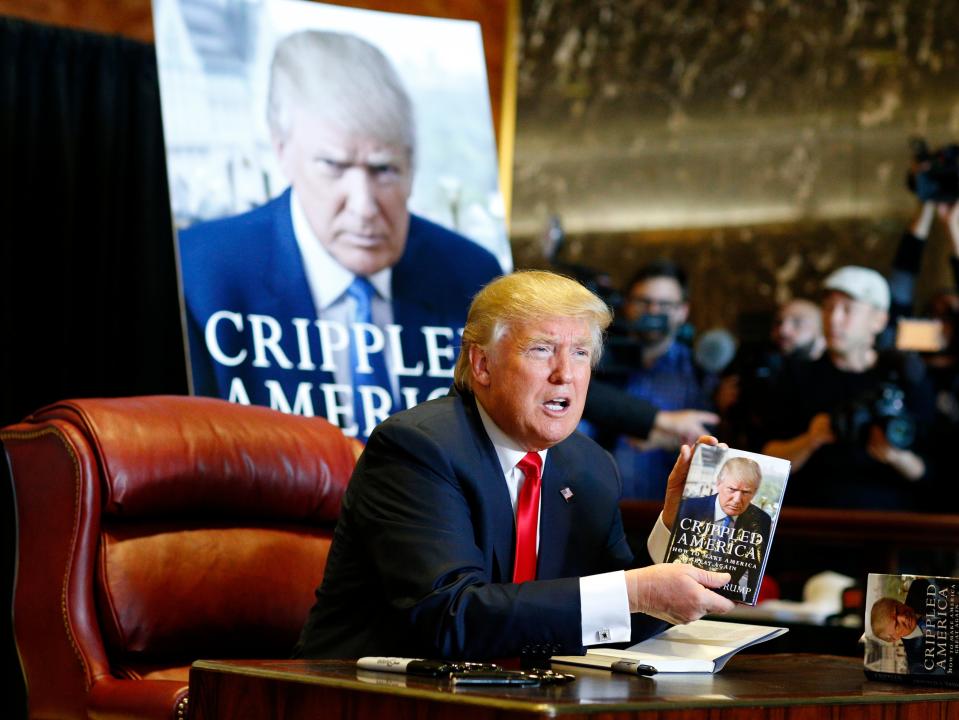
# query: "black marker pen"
x,y
629,667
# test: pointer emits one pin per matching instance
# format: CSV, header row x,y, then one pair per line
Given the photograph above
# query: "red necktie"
x,y
527,518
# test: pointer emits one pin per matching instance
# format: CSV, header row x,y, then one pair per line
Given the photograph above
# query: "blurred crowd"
x,y
856,386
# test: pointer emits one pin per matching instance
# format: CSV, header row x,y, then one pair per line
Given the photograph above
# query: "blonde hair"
x,y
523,297
345,79
743,468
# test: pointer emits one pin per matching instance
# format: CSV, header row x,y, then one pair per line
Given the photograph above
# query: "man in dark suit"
x,y
731,506
331,299
481,524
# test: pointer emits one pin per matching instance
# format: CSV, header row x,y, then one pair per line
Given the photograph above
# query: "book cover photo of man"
x,y
336,297
727,517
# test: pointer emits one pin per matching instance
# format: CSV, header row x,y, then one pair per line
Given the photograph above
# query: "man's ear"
x,y
479,366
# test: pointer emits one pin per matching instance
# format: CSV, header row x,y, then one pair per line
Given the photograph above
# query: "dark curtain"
x,y
87,271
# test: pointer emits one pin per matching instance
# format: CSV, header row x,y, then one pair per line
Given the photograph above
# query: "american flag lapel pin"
x,y
566,493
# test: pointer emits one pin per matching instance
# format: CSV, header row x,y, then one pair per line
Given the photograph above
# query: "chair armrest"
x,y
114,699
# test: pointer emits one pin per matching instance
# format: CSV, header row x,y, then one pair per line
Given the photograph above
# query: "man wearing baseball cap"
x,y
831,417
860,283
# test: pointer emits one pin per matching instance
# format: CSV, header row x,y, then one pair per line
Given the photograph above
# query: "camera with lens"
x,y
934,175
623,351
625,339
885,408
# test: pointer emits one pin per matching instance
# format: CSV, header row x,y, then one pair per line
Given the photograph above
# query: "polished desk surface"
x,y
794,681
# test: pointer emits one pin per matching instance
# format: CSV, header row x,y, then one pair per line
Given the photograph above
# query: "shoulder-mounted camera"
x,y
934,175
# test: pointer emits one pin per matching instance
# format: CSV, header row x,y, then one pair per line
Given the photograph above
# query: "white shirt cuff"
x,y
604,605
658,541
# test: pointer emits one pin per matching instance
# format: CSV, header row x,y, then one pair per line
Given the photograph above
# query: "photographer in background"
x,y
647,360
852,422
934,179
610,412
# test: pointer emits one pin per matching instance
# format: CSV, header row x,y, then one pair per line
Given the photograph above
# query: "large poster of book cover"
x,y
912,629
728,515
334,186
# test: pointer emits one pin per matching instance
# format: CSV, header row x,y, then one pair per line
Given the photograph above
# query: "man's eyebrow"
x,y
538,340
377,158
547,340
330,151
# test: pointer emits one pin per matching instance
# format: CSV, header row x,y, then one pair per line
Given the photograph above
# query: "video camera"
x,y
885,408
624,344
623,349
934,175
624,338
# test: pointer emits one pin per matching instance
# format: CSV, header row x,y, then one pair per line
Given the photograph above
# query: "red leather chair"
x,y
153,531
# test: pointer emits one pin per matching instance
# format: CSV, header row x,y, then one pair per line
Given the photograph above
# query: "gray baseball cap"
x,y
860,283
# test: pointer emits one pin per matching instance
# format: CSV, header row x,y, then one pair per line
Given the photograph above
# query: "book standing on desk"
x,y
728,515
912,629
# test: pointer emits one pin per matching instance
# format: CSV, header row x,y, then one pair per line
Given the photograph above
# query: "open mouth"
x,y
556,404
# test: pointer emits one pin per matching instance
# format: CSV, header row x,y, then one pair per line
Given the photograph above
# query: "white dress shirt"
x,y
658,541
604,603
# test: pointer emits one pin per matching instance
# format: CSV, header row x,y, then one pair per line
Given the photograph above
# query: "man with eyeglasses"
x,y
331,299
648,361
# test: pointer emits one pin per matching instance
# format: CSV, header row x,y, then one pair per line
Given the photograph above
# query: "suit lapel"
x,y
555,516
285,276
494,494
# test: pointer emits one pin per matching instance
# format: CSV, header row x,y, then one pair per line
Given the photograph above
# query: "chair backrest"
x,y
153,531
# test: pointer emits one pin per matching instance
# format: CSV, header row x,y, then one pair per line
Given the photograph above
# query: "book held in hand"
x,y
912,629
703,646
728,516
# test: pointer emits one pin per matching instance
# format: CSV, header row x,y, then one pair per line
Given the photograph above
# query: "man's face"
x,y
798,327
353,190
533,380
657,296
899,621
850,325
735,492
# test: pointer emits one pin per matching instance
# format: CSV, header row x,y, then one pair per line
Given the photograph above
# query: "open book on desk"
x,y
702,646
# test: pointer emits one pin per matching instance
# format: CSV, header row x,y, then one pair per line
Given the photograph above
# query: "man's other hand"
x,y
657,439
675,592
684,425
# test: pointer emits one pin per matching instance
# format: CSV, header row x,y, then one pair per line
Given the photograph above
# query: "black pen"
x,y
629,667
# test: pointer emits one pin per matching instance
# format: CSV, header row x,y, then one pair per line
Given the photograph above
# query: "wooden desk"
x,y
756,687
